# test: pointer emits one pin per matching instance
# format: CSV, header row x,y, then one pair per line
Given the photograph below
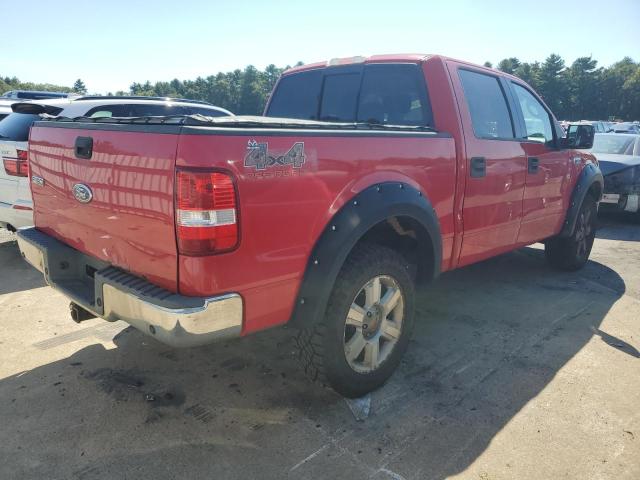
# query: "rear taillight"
x,y
206,212
17,167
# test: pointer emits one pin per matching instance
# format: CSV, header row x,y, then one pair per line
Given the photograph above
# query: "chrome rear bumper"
x,y
113,294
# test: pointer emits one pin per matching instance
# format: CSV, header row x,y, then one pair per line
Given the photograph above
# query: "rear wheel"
x,y
367,326
571,253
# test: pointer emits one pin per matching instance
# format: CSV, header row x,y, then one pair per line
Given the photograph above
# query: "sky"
x,y
110,44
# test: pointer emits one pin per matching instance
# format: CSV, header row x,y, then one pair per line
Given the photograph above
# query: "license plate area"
x,y
64,268
73,273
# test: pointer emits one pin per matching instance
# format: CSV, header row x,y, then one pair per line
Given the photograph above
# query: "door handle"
x,y
478,167
84,147
533,163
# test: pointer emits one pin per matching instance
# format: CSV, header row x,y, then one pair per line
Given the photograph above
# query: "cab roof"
x,y
406,57
391,58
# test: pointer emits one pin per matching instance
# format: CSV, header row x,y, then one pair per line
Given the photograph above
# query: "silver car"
x,y
619,157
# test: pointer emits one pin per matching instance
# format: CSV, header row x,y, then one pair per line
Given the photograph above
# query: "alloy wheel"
x,y
373,324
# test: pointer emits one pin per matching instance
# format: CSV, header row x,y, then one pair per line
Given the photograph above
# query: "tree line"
x,y
582,90
12,83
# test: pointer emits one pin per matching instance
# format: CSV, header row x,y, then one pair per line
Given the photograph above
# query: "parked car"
x,y
15,197
601,127
35,95
626,127
618,155
385,172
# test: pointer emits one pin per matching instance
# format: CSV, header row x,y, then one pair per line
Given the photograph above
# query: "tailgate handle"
x,y
84,147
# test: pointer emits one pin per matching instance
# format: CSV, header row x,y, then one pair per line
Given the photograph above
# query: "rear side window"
x,y
207,112
108,111
487,104
16,126
135,110
155,110
339,96
395,95
297,96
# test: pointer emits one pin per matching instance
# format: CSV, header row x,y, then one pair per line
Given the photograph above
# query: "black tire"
x,y
322,347
572,253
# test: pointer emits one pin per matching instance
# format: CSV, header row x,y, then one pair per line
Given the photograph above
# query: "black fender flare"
x,y
366,209
589,176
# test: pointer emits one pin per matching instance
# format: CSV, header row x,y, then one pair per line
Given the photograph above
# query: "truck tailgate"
x,y
117,205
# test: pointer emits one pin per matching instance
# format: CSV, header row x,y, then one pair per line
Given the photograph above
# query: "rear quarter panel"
x,y
283,210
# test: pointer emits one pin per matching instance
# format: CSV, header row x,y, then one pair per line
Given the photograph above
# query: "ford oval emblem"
x,y
82,193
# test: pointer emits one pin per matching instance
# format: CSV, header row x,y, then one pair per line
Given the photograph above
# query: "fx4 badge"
x,y
258,156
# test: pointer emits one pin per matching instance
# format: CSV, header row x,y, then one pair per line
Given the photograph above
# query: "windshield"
x,y
616,144
15,126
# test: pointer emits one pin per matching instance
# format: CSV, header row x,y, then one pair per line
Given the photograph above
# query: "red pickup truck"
x,y
364,178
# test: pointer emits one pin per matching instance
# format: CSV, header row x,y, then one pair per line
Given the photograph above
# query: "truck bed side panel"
x,y
283,210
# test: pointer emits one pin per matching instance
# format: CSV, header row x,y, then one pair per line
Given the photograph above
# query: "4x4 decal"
x,y
258,156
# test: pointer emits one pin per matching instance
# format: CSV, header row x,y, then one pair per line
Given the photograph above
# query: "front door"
x,y
548,181
495,162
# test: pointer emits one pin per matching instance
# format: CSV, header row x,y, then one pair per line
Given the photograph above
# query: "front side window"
x,y
487,105
536,119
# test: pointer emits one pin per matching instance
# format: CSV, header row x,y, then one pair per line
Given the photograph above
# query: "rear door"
x,y
548,179
108,192
495,164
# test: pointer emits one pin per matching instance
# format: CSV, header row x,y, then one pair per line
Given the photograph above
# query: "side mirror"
x,y
579,136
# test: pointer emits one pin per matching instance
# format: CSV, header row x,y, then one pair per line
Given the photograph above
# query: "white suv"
x,y
16,207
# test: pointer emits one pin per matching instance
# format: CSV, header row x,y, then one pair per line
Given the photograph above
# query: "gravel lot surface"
x,y
515,371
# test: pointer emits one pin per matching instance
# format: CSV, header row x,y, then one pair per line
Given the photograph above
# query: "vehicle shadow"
x,y
13,266
489,338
